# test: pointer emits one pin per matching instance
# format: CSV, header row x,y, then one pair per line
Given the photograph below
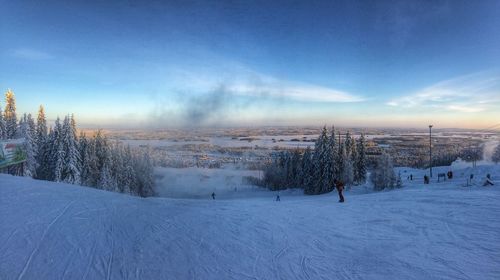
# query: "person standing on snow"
x,y
340,188
426,179
213,195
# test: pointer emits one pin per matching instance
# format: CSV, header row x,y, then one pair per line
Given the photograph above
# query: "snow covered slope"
x,y
440,231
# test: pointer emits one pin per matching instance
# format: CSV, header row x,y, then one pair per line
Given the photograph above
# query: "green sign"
x,y
12,152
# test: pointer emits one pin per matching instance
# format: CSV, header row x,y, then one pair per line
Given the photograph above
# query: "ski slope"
x,y
438,231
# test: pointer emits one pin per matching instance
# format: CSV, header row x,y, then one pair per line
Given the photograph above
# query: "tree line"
x,y
333,158
58,154
315,170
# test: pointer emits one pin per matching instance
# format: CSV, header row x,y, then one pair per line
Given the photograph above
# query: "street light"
x,y
430,148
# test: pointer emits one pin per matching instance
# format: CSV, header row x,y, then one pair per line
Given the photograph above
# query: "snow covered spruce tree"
x,y
321,164
94,155
353,156
294,171
360,161
122,170
383,175
90,170
71,172
321,158
117,169
42,156
340,163
106,180
2,126
347,156
27,131
496,155
57,151
10,116
333,157
128,178
309,181
85,161
306,170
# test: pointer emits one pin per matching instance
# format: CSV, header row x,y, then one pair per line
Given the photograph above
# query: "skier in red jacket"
x,y
340,188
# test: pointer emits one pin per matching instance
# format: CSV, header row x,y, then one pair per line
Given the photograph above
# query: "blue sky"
x,y
241,63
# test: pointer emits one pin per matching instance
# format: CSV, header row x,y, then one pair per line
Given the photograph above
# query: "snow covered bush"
x,y
383,175
284,171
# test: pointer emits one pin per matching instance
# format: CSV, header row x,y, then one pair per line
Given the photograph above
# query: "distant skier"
x,y
213,195
340,188
278,197
426,179
411,177
450,174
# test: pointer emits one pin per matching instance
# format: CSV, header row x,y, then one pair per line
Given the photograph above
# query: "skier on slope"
x,y
340,188
213,195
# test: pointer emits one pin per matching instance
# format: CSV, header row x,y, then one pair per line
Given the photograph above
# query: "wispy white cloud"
x,y
465,109
467,94
30,54
293,90
243,82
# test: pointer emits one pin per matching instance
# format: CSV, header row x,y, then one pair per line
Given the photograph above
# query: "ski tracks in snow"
x,y
419,234
13,233
91,260
103,236
46,231
110,262
276,258
303,267
254,267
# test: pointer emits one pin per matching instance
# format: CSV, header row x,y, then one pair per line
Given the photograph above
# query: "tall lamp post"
x,y
430,149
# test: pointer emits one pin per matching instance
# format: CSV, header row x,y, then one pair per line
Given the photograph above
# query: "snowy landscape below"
x,y
439,231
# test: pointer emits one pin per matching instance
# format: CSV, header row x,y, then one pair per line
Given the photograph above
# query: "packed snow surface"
x,y
446,230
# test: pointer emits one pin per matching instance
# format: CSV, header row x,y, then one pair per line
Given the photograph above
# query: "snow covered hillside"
x,y
438,231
